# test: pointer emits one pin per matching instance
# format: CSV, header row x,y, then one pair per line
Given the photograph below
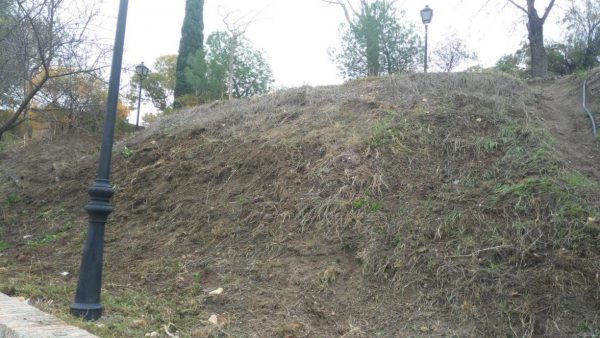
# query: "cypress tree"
x,y
191,41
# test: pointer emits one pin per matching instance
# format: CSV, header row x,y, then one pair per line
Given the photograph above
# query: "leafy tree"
x,y
583,33
560,59
73,102
452,52
208,73
191,42
535,29
563,59
159,84
374,41
40,41
517,64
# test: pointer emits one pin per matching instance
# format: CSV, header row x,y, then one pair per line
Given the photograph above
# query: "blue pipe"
x,y
587,110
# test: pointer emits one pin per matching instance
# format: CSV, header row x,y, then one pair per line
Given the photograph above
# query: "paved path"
x,y
20,320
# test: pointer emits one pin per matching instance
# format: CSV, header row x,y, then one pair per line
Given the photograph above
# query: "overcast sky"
x,y
296,34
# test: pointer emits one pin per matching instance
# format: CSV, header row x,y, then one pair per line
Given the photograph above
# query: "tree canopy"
x,y
579,49
583,33
374,40
207,72
159,84
41,41
192,40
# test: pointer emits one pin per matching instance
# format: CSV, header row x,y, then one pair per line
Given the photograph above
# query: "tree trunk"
x,y
230,64
13,120
372,42
539,58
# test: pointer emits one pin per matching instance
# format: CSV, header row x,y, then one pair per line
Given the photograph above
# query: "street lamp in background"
x,y
142,71
426,15
87,297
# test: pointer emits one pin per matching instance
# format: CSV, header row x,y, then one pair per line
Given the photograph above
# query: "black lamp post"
x,y
142,71
426,15
87,297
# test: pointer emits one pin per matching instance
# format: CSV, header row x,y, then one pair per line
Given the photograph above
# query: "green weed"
x,y
368,202
47,239
127,153
12,198
508,133
489,145
196,277
573,210
3,246
578,180
583,326
51,214
380,134
243,200
398,239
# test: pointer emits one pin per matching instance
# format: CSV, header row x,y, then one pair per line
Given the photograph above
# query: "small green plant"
x,y
371,204
196,277
380,133
127,153
243,200
573,210
3,246
402,212
67,226
47,239
51,214
11,198
577,180
539,154
583,326
508,133
504,308
398,239
489,145
357,204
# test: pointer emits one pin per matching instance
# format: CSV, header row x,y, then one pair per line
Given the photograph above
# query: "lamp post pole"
x,y
426,15
426,30
141,70
87,297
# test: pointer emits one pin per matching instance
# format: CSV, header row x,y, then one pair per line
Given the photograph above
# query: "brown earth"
x,y
570,125
447,205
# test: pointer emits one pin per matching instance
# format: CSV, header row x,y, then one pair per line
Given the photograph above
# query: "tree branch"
x,y
547,11
343,5
24,104
519,6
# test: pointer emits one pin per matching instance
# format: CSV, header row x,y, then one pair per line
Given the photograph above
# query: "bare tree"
x,y
41,40
452,52
236,28
535,29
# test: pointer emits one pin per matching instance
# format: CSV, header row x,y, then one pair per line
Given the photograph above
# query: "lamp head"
x,y
141,70
426,15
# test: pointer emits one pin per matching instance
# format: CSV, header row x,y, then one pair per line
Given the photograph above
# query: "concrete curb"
x,y
21,320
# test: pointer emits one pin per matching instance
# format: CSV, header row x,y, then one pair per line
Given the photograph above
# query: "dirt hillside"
x,y
454,205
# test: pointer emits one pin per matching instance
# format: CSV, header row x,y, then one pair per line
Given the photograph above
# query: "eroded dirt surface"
x,y
571,126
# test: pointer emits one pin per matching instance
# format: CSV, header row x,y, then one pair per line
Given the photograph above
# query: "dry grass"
x,y
412,205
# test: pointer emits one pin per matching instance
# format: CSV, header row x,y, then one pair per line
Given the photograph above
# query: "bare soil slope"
x,y
570,125
417,205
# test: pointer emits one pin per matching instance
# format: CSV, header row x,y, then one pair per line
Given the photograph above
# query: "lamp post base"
x,y
87,311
